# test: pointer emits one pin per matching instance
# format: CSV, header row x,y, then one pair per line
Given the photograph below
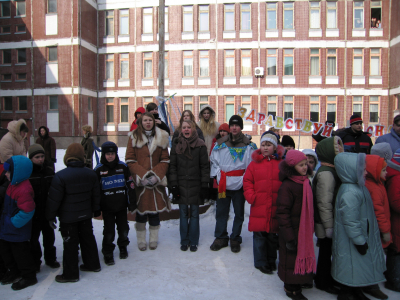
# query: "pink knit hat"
x,y
293,157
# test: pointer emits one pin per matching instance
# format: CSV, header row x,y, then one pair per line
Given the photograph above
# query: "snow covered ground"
x,y
167,272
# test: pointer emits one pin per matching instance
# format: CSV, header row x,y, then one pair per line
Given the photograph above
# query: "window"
x,y
271,15
165,64
90,104
147,100
188,18
288,61
358,13
6,57
22,103
204,63
314,62
375,62
357,105
7,104
271,107
229,69
109,110
20,28
315,19
6,9
288,9
124,110
148,65
20,8
5,29
109,66
246,62
271,61
5,77
229,17
166,19
331,62
246,103
52,54
245,17
188,103
109,22
204,22
358,62
53,102
331,15
52,6
376,14
203,101
188,63
124,22
331,109
374,109
314,109
148,20
288,107
124,65
21,56
229,107
21,76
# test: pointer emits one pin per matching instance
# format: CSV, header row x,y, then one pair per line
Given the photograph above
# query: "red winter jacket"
x,y
377,190
261,184
393,192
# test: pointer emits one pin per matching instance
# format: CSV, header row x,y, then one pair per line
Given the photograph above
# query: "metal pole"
x,y
161,45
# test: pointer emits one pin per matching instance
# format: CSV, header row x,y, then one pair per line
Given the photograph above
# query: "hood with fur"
x,y
14,128
206,107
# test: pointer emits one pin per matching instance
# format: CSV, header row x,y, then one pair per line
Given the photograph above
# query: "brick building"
x,y
65,64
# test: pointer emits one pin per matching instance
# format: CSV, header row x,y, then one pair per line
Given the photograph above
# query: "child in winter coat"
x,y
16,224
312,161
295,214
40,179
261,184
116,194
357,254
3,187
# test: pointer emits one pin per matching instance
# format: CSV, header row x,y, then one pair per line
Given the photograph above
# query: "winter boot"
x,y
358,293
141,235
62,279
109,260
296,295
235,246
218,244
10,277
23,283
53,264
153,237
123,252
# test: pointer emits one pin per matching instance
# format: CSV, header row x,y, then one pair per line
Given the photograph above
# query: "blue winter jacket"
x,y
392,138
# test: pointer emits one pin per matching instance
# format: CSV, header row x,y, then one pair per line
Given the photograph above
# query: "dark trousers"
x,y
154,219
189,226
393,268
17,258
74,234
292,287
264,248
42,226
222,215
119,218
323,277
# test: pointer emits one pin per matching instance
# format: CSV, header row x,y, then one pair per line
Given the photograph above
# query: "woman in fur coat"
x,y
148,159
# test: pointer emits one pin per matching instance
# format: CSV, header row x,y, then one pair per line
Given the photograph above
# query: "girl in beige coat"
x,y
13,142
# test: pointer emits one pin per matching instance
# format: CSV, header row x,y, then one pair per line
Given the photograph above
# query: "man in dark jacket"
x,y
74,197
49,146
40,179
117,192
354,139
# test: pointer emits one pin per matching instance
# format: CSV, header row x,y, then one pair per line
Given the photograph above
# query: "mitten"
x,y
175,192
362,249
292,245
329,232
97,213
144,182
204,193
52,223
386,237
152,180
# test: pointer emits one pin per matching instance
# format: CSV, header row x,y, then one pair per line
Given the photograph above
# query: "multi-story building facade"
x,y
70,63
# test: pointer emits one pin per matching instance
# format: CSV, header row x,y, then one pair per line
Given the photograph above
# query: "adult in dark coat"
x,y
189,173
74,197
88,145
49,146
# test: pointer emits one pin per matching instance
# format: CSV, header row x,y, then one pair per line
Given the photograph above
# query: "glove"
x,y
97,213
292,245
386,237
175,192
144,182
152,180
204,193
362,249
52,223
329,232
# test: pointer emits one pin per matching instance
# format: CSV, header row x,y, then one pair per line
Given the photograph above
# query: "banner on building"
x,y
302,125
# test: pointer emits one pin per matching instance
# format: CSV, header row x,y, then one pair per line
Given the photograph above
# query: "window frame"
x,y
357,55
55,97
48,7
288,99
188,100
315,101
274,101
147,13
357,100
354,14
16,8
202,102
188,55
329,55
21,50
242,12
3,62
246,102
109,17
276,15
244,55
230,56
109,58
314,55
285,9
5,29
187,13
204,55
6,79
229,10
374,102
147,59
122,61
202,10
2,9
19,103
123,13
147,100
49,54
17,28
314,8
327,13
276,62
374,55
284,62
5,98
121,104
372,6
330,102
231,101
106,110
20,77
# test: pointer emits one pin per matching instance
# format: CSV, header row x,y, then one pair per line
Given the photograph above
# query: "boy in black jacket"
x,y
117,193
40,179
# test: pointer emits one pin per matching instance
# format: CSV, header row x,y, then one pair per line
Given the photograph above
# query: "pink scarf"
x,y
305,259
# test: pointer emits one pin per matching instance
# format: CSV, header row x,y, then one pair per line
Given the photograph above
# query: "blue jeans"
x,y
222,215
264,248
189,226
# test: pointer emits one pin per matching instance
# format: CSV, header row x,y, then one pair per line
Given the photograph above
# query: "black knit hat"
x,y
287,141
109,147
355,119
235,119
35,149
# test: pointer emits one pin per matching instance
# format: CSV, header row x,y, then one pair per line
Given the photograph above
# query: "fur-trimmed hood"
x,y
14,127
206,107
257,157
160,140
285,171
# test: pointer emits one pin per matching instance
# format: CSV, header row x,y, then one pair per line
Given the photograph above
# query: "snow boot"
x,y
53,264
62,279
24,283
109,260
296,295
153,240
235,246
218,244
10,277
123,252
83,268
141,235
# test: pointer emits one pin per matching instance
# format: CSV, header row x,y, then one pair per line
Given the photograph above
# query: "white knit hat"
x,y
312,153
269,138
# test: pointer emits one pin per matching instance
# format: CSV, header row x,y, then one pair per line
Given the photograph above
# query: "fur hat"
x,y
235,119
293,157
269,136
312,153
109,147
355,119
396,156
287,141
74,151
224,127
35,149
383,150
